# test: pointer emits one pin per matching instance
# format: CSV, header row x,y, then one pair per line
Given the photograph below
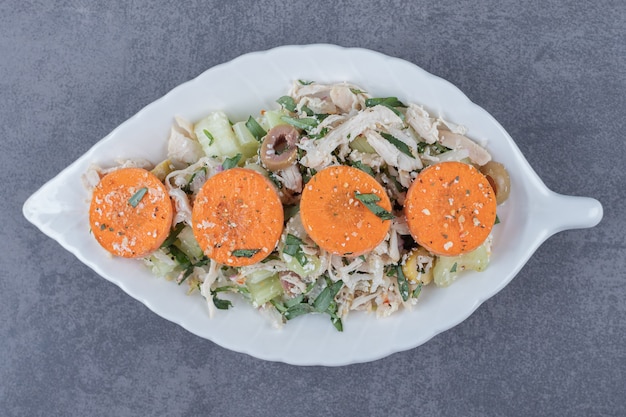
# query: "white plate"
x,y
252,82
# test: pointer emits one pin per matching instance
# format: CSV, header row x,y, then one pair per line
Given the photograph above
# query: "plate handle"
x,y
564,212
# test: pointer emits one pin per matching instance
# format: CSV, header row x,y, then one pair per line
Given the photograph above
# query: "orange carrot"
x,y
130,212
334,210
237,217
450,208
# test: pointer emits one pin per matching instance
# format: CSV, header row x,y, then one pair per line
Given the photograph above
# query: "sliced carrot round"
x,y
334,216
450,208
237,217
130,212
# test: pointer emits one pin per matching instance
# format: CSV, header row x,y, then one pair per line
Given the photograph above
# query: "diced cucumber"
x,y
263,291
360,144
274,118
187,243
447,268
216,135
247,142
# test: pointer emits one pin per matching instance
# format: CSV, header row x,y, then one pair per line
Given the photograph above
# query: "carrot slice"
x,y
450,208
130,212
335,218
237,217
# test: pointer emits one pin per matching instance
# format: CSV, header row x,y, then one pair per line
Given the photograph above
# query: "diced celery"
x,y
162,169
263,291
161,264
360,144
258,276
187,243
447,268
256,167
274,118
247,143
221,140
312,264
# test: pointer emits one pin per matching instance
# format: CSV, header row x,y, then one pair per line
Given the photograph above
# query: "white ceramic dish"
x,y
243,87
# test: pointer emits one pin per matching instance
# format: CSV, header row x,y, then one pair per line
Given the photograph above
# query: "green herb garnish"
x,y
136,198
255,128
417,290
288,103
402,147
453,269
360,165
324,299
304,82
231,162
209,136
305,123
293,248
390,102
370,200
245,253
298,310
171,238
403,285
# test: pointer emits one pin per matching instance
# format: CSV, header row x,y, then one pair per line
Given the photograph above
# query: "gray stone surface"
x,y
552,342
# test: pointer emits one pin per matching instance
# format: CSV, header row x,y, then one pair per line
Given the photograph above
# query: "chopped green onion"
x,y
497,220
453,269
136,198
304,82
356,91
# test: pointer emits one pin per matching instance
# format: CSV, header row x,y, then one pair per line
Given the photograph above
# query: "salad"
x,y
335,201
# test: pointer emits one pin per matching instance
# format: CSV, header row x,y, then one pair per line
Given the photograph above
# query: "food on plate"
x,y
335,201
237,217
345,211
130,212
450,208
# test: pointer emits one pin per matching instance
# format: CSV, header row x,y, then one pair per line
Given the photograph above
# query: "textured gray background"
x,y
553,342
